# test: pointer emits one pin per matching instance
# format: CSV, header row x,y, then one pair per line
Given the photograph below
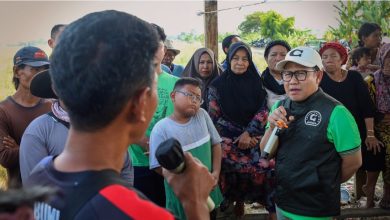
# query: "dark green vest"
x,y
308,167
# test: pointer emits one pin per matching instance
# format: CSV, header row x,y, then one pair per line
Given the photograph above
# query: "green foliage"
x,y
354,13
298,37
188,37
267,24
272,25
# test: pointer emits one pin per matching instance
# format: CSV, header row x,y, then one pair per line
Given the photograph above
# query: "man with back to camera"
x,y
319,150
110,94
18,110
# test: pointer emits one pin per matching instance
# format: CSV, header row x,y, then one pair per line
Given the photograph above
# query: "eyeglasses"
x,y
300,75
192,97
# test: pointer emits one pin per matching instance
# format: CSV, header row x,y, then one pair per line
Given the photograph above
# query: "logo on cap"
x,y
296,53
39,55
313,118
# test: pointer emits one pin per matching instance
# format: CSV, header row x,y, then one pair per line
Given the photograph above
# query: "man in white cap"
x,y
319,150
169,57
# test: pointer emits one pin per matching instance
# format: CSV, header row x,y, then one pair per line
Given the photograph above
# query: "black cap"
x,y
41,85
31,56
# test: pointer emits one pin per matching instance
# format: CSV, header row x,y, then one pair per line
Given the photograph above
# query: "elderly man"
x,y
18,110
321,146
169,57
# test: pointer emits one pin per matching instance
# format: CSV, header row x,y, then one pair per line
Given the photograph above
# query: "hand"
x,y
215,175
254,141
9,142
194,184
279,114
373,144
243,140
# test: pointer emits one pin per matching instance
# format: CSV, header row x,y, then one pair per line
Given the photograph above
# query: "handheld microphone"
x,y
272,143
170,155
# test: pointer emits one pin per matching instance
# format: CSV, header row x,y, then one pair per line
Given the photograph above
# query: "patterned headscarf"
x,y
382,83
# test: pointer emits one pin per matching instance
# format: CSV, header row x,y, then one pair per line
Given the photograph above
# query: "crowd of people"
x,y
89,119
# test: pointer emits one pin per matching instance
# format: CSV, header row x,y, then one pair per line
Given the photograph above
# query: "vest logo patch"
x,y
313,118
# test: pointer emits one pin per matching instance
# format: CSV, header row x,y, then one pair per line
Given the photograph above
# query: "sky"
x,y
33,20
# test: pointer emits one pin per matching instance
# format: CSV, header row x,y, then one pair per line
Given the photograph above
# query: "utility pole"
x,y
211,25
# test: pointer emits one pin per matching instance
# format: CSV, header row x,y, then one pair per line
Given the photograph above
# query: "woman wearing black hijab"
x,y
272,79
238,108
205,67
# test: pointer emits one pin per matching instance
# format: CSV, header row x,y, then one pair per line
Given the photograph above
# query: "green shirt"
x,y
342,131
165,84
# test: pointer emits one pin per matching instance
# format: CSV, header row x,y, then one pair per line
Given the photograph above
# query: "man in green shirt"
x,y
145,180
319,150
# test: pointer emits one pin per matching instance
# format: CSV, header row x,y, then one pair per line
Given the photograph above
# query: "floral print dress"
x,y
242,178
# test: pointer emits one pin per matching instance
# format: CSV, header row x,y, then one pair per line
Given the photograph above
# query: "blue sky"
x,y
32,20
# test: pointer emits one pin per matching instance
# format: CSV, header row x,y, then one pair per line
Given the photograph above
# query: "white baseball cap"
x,y
304,56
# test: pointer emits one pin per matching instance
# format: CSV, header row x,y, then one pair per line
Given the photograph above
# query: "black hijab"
x,y
240,96
270,83
192,70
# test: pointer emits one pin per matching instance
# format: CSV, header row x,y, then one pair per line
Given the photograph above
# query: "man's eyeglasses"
x,y
192,97
300,75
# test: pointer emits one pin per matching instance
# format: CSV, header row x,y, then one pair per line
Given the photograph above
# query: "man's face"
x,y
26,74
169,57
53,41
234,40
158,57
187,100
300,90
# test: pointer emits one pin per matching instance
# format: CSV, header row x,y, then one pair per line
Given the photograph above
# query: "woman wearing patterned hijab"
x,y
203,66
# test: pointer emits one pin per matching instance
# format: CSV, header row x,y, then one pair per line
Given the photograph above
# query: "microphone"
x,y
170,155
271,145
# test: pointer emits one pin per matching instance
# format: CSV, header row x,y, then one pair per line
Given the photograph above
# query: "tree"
x,y
273,25
267,24
354,13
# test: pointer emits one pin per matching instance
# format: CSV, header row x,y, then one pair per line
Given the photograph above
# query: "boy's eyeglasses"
x,y
300,75
192,97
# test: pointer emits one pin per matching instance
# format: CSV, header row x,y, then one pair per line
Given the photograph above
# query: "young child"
x,y
193,128
361,60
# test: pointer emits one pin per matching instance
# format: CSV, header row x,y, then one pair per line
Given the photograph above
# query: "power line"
x,y
226,9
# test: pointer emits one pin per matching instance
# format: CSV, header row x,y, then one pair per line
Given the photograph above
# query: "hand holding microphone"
x,y
189,179
278,121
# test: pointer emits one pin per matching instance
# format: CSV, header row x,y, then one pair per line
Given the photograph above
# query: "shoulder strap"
x,y
66,124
